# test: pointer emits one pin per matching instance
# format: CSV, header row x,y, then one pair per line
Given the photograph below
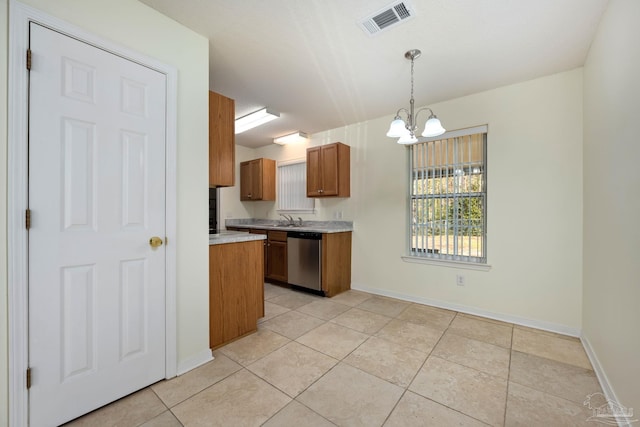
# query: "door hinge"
x,y
28,378
27,218
28,59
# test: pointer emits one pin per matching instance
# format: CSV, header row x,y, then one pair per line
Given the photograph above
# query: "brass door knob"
x,y
155,241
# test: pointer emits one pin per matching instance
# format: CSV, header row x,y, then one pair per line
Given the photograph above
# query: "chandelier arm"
x,y
423,109
401,110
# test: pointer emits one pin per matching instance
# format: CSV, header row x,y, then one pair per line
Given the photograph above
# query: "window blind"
x,y
292,188
448,197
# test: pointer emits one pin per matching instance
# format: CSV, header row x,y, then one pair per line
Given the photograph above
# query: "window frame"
x,y
448,260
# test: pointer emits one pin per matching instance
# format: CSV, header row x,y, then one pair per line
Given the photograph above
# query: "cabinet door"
x,y
314,166
245,181
235,291
329,170
221,141
277,260
256,179
336,263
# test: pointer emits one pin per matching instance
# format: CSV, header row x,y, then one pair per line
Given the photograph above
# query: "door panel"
x,y
97,194
329,168
79,202
314,181
78,326
133,291
256,179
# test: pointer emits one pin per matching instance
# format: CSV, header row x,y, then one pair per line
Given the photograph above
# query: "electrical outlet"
x,y
460,280
337,215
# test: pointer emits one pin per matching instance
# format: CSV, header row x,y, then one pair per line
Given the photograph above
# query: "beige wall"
x,y
534,205
611,316
140,28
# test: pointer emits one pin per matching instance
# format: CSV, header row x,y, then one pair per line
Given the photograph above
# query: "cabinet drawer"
x,y
277,236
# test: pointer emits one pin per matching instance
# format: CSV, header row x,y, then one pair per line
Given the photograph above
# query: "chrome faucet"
x,y
289,219
299,221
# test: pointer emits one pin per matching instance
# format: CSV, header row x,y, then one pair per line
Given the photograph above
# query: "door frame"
x,y
17,194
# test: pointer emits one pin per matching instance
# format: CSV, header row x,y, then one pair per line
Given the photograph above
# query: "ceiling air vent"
x,y
387,17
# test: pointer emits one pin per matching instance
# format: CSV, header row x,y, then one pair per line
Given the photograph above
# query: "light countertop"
x,y
233,237
309,226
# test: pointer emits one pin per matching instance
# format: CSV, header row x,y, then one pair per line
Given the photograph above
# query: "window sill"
x,y
447,263
296,211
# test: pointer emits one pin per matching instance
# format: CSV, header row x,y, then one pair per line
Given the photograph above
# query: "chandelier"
x,y
406,131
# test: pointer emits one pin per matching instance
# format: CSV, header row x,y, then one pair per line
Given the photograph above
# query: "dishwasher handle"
x,y
304,235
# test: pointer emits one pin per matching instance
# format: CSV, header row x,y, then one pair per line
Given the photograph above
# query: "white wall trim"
x,y
602,377
17,198
17,201
446,263
522,321
194,361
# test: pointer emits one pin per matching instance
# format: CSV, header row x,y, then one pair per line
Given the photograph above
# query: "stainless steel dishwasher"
x,y
304,258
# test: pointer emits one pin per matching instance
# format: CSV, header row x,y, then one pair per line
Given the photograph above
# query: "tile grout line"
x,y
506,397
406,389
430,354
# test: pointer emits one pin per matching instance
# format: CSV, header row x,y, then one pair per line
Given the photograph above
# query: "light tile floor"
x,y
364,360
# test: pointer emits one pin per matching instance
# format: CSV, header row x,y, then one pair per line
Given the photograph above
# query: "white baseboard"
x,y
523,321
194,361
602,377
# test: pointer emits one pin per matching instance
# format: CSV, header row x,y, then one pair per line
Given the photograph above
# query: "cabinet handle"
x,y
249,195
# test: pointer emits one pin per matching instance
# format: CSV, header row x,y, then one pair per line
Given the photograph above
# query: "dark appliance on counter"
x,y
304,259
213,210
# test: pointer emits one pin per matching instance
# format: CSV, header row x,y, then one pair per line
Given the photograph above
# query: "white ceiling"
x,y
310,60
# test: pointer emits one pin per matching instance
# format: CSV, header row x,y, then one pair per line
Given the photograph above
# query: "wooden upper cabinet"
x,y
222,152
328,171
258,180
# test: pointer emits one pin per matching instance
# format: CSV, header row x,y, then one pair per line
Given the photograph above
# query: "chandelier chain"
x,y
411,78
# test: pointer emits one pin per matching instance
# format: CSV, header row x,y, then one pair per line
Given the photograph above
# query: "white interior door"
x,y
97,196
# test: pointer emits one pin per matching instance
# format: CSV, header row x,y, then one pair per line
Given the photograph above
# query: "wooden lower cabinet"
x,y
236,290
264,246
336,263
336,259
276,256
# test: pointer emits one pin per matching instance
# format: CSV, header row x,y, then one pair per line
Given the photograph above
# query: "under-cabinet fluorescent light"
x,y
292,138
254,119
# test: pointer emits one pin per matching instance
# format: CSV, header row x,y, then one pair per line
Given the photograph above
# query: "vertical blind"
x,y
448,197
292,188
